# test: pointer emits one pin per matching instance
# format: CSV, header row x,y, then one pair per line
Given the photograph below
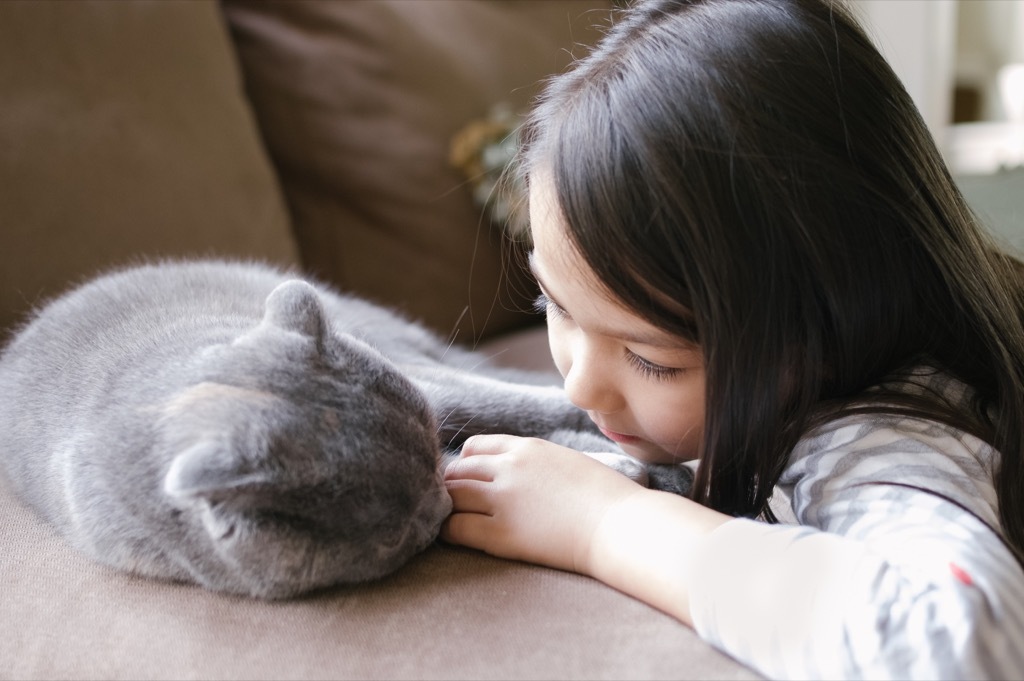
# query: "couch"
x,y
316,135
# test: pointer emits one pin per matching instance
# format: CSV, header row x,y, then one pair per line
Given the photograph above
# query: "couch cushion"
x,y
449,614
359,102
124,132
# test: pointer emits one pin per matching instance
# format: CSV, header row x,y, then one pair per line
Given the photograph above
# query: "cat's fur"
x,y
230,425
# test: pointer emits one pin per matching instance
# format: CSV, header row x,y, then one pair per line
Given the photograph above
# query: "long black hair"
x,y
758,162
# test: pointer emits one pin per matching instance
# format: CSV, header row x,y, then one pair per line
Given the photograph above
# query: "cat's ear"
x,y
295,305
213,472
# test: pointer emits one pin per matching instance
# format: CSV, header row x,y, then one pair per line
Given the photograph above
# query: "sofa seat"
x,y
451,613
312,135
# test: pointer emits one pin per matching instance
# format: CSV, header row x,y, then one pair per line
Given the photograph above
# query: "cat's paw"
x,y
603,450
594,446
670,477
625,464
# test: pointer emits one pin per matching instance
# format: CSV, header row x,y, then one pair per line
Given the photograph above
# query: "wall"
x,y
918,37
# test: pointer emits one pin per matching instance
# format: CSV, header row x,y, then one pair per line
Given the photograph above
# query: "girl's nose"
x,y
590,385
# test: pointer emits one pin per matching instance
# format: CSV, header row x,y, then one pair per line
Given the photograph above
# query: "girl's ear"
x,y
295,306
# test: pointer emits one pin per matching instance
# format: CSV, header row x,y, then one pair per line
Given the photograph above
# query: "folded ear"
x,y
212,472
295,306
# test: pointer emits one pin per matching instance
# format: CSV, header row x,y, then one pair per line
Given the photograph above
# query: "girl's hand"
x,y
531,500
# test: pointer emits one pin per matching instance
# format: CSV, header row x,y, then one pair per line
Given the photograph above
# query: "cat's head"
x,y
303,458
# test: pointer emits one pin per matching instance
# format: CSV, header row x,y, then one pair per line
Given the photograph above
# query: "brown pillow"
x,y
358,103
124,133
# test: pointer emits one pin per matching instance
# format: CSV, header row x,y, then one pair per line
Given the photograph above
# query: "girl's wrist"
x,y
646,545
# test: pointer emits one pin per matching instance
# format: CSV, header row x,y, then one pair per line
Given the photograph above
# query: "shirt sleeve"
x,y
895,570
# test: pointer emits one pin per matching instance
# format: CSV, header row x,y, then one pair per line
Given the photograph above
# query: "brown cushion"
x,y
124,133
359,102
449,614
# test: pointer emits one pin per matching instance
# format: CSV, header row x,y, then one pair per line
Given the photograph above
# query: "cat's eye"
x,y
284,519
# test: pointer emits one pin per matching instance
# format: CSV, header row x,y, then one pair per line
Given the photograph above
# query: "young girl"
x,y
752,256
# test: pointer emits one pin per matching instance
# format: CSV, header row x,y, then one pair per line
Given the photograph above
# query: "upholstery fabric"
x,y
448,614
124,133
358,103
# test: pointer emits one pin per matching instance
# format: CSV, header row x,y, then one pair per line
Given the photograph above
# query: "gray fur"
x,y
230,425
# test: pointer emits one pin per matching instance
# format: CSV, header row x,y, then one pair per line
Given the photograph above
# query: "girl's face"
x,y
643,387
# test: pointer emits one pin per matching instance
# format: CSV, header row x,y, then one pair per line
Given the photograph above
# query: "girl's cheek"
x,y
559,351
675,425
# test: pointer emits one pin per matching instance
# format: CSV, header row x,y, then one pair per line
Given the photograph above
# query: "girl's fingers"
x,y
473,468
470,523
474,461
488,444
468,529
469,496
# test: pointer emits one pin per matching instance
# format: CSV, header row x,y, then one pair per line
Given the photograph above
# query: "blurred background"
x,y
963,63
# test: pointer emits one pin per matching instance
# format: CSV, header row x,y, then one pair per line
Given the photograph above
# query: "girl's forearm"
x,y
646,545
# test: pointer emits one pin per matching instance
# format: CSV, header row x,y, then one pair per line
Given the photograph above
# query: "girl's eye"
x,y
546,306
650,369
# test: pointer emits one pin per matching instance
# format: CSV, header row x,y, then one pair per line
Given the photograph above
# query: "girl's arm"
x,y
531,500
884,579
895,571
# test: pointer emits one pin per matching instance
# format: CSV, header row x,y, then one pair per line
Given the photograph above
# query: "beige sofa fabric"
x,y
358,103
449,614
124,132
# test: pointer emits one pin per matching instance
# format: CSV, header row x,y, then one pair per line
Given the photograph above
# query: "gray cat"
x,y
233,426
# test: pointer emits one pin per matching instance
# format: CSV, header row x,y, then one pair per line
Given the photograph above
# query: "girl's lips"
x,y
618,437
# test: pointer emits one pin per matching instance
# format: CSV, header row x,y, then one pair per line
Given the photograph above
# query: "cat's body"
x,y
230,425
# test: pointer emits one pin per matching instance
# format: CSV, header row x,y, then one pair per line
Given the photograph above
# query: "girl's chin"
x,y
647,453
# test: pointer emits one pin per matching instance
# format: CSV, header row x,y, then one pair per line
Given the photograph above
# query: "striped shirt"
x,y
888,562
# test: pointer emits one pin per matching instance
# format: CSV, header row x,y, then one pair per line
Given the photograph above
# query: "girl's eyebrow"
x,y
531,259
654,339
540,282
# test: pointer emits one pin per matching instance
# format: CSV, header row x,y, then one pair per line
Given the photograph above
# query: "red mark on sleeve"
x,y
961,574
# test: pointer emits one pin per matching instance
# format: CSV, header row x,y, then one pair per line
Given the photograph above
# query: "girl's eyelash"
x,y
544,305
650,369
